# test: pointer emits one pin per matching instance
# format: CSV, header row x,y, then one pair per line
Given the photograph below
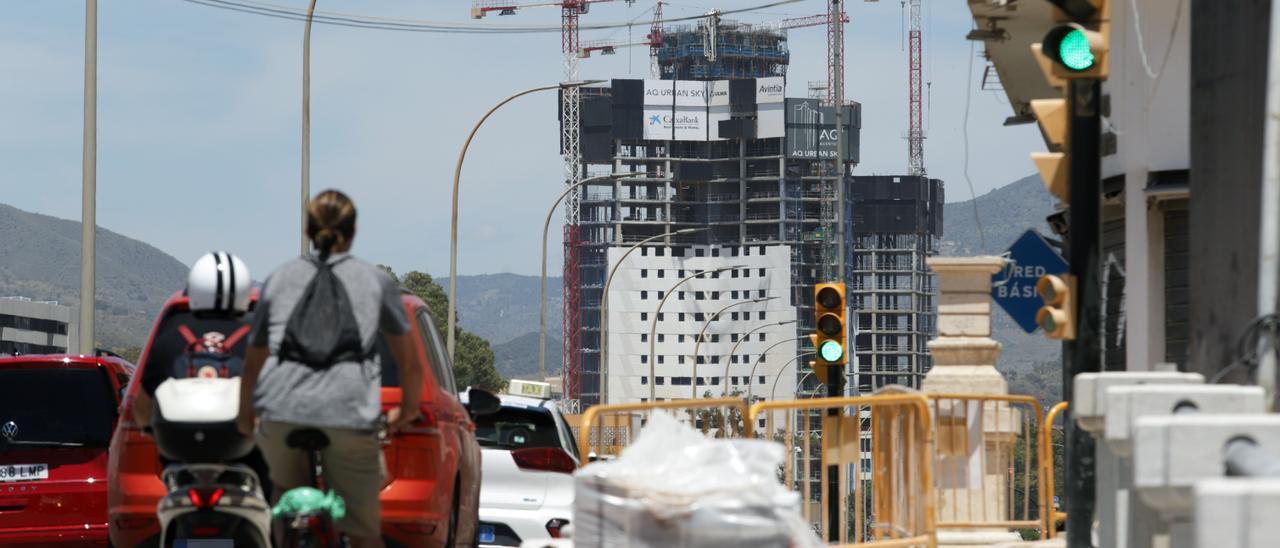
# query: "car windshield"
x,y
57,405
515,428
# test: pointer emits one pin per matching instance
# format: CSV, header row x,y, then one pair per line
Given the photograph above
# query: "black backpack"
x,y
202,359
322,329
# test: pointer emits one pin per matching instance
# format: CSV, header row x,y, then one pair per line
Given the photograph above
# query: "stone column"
x,y
973,439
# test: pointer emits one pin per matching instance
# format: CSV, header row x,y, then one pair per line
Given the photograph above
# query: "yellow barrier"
x,y
987,461
880,445
719,417
1052,517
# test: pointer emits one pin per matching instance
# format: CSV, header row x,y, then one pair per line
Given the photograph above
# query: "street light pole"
x,y
89,182
604,304
542,299
698,342
306,124
751,385
774,389
453,223
741,340
653,326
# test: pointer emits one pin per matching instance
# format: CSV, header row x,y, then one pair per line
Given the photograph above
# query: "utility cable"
x,y
968,97
427,26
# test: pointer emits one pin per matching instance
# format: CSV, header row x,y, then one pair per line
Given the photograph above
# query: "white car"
x,y
528,455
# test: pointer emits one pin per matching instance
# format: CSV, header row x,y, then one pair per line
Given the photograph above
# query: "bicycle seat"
x,y
307,439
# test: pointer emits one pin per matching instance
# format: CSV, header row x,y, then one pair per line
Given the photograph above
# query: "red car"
x,y
56,417
432,493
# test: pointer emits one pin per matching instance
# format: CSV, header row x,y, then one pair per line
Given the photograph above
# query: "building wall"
x,y
638,288
32,327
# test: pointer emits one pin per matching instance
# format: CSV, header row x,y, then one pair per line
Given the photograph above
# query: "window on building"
x,y
681,273
661,316
680,317
661,294
702,360
644,358
761,337
662,338
715,252
733,337
702,381
700,252
680,359
715,381
761,379
733,273
761,273
644,252
733,380
644,400
699,317
644,380
680,295
681,381
663,380
644,273
763,315
715,338
644,316
733,359
761,422
680,338
698,295
760,294
715,360
644,295
644,337
662,359
661,251
733,295
661,273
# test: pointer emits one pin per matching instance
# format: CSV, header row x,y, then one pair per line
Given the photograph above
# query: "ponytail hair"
x,y
331,222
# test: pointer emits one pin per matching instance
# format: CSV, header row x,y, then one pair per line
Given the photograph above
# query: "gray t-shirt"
x,y
343,395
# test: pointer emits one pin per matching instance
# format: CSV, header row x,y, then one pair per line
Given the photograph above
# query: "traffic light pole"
x,y
1083,355
835,389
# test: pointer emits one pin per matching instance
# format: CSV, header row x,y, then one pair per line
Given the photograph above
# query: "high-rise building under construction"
x,y
719,173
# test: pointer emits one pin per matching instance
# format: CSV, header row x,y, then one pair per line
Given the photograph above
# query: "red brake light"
x,y
206,499
545,459
554,526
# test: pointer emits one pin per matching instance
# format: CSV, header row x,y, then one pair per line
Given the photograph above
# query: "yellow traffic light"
x,y
1079,45
829,322
1058,315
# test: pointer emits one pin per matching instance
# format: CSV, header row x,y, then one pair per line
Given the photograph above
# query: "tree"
x,y
474,365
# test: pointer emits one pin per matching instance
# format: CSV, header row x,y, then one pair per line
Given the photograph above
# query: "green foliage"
x,y
129,353
474,365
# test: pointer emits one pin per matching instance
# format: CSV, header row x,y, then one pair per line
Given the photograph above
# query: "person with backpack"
x,y
312,363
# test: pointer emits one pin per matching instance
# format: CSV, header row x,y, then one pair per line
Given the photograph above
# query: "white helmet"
x,y
219,281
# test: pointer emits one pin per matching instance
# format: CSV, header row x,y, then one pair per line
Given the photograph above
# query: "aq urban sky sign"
x,y
1015,291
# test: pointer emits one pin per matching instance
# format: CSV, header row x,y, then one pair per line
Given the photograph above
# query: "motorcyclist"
x,y
211,343
283,394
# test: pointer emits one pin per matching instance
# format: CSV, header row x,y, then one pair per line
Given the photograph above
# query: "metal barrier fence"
x,y
1052,517
716,417
880,450
987,461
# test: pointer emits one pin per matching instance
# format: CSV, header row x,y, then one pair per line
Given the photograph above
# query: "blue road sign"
x,y
1030,258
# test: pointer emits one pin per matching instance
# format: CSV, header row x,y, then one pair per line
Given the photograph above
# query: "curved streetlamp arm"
x,y
453,223
701,334
774,388
653,326
751,385
542,298
741,340
604,304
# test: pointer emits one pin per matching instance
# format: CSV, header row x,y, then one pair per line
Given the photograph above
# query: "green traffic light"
x,y
831,351
1074,51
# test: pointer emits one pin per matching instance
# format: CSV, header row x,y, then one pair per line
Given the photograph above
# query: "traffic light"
x,y
1079,44
1058,315
829,340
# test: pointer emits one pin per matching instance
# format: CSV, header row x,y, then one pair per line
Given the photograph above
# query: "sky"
x,y
199,119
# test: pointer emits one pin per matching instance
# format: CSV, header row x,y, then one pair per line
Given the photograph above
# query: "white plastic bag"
x,y
675,488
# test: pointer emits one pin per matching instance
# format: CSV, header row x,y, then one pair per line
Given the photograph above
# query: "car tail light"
x,y
554,526
546,459
205,499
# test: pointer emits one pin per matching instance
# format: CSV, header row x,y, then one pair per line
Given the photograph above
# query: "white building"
x,y
641,284
35,327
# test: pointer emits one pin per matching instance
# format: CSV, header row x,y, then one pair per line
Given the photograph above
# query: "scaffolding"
x,y
719,49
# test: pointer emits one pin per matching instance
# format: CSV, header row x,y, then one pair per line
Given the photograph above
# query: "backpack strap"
x,y
188,335
235,337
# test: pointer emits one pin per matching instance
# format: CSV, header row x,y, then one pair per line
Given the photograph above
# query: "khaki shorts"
x,y
353,467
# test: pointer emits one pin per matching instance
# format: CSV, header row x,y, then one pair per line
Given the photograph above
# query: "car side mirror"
x,y
482,402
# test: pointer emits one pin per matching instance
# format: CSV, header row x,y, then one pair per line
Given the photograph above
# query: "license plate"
x,y
23,472
487,534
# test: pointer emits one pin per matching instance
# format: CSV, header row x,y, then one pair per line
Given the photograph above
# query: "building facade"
x,y
35,327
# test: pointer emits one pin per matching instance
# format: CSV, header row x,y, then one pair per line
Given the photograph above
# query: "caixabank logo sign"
x,y
667,122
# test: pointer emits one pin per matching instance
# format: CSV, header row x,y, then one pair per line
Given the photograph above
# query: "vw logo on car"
x,y
9,431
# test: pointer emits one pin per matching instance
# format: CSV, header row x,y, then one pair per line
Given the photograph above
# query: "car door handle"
x,y
13,504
